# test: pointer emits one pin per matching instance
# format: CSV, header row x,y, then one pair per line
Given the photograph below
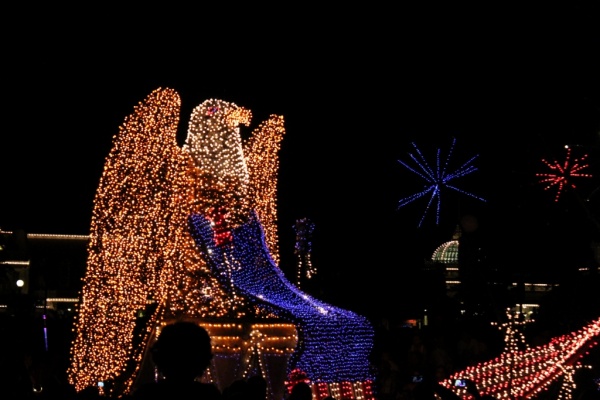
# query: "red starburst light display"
x,y
562,174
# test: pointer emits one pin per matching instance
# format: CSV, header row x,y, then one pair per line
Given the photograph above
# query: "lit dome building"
x,y
446,255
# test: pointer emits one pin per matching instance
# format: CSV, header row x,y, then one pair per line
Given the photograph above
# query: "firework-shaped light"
x,y
561,175
436,178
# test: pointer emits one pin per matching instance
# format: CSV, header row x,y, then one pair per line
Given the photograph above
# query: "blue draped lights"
x,y
333,344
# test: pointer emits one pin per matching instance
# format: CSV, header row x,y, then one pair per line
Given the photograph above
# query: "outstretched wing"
x,y
143,264
262,158
130,221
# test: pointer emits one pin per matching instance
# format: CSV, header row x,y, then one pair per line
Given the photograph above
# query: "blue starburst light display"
x,y
436,178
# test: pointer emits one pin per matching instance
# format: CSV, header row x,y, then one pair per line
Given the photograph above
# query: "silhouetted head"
x,y
301,391
257,387
182,351
237,390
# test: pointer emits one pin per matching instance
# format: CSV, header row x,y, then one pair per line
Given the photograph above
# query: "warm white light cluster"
x,y
218,155
262,158
127,241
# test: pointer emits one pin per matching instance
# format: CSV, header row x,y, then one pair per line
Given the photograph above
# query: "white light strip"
x,y
50,236
15,263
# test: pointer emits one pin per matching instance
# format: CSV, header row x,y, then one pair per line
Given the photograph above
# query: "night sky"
x,y
356,88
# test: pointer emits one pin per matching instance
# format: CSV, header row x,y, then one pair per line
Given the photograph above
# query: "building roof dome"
x,y
447,253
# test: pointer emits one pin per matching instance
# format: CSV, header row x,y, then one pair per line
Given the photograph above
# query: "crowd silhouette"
x,y
408,364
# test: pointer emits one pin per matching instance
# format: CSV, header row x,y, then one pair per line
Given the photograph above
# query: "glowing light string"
x,y
523,372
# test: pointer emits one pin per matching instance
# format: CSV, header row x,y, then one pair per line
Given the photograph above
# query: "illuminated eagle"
x,y
190,232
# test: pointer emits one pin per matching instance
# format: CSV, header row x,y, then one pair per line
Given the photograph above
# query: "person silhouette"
x,y
257,387
301,391
181,354
236,390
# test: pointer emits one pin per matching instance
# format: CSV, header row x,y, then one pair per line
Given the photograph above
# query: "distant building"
x,y
472,275
44,268
446,257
